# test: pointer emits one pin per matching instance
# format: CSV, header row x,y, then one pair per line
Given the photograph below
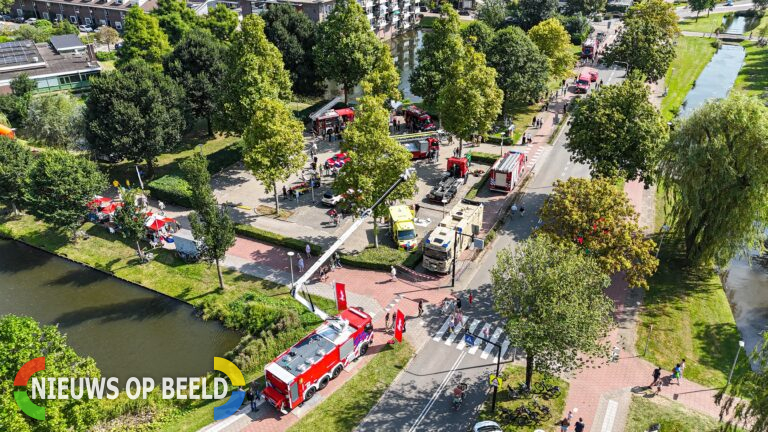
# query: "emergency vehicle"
x,y
589,48
419,144
403,228
299,372
583,82
418,119
466,218
332,120
506,172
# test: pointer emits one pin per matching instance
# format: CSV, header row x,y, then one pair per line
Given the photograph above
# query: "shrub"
x,y
716,44
382,258
276,239
484,158
106,55
171,189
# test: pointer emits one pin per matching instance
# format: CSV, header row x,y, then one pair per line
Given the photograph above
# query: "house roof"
x,y
67,42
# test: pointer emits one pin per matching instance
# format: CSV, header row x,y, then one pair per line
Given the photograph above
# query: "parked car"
x,y
729,3
7,18
30,21
465,12
338,160
85,29
594,76
19,20
487,426
330,199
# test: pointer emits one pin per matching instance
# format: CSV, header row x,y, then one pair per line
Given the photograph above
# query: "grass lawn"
x,y
672,416
753,76
691,319
107,65
513,375
348,405
693,53
704,24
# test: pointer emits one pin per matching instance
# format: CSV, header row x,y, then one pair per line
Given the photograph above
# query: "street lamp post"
x,y
735,359
498,366
290,259
456,234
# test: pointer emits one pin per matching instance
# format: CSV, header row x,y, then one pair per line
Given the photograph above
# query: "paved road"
x,y
685,12
420,399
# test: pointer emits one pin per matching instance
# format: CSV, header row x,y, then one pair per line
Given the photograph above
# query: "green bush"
x,y
276,239
484,158
106,55
382,258
171,189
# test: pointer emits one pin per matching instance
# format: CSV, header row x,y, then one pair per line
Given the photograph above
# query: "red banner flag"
x,y
341,297
399,325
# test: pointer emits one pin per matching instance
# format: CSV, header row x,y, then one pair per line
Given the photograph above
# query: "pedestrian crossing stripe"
x,y
476,327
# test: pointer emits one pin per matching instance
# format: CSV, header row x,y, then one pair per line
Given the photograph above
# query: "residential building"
x,y
80,12
64,63
387,17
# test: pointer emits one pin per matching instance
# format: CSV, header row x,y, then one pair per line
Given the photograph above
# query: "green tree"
x,y
55,120
108,36
23,86
254,71
23,339
700,5
598,218
221,21
14,108
142,39
197,65
15,161
59,186
175,18
442,48
295,35
470,103
273,145
210,221
522,70
532,12
748,411
586,7
346,46
618,132
529,286
384,78
37,33
64,27
493,12
134,113
5,5
646,43
715,168
376,160
578,27
760,5
478,35
554,42
130,219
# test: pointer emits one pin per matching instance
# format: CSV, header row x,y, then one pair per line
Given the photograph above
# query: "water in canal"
x,y
717,78
128,330
740,24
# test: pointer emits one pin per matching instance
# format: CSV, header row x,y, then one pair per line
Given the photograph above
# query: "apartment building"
x,y
387,17
80,12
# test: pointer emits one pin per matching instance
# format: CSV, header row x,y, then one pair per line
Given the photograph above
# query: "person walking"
x,y
522,211
386,321
336,259
314,148
564,423
579,426
470,298
421,307
301,264
656,376
451,324
676,373
513,209
458,303
308,250
285,192
393,272
249,396
682,368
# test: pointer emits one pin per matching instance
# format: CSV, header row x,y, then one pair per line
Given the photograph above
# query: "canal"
x,y
127,329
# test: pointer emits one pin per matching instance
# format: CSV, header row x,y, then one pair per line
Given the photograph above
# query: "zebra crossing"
x,y
478,327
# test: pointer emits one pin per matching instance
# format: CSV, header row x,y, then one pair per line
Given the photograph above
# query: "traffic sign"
x,y
494,381
469,339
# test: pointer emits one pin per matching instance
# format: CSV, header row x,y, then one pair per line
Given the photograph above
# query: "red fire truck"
x,y
299,372
506,172
418,119
419,144
589,48
332,120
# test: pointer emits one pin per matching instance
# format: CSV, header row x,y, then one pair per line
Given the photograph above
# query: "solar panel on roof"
x,y
66,42
18,53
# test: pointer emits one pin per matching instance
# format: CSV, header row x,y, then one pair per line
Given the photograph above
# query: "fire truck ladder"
x,y
413,136
301,282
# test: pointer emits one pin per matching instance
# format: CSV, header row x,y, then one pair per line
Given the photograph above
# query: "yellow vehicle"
x,y
402,226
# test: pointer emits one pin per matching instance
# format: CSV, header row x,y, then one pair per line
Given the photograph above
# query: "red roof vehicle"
x,y
299,372
507,172
583,82
418,119
589,48
331,120
338,160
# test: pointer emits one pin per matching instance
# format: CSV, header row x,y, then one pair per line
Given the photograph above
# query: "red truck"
x,y
299,372
332,120
589,48
418,119
420,145
583,82
507,172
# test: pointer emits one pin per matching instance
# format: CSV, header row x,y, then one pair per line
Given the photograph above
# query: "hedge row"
x,y
484,158
174,189
382,258
276,239
472,194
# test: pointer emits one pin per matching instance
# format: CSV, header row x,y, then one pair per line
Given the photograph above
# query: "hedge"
x,y
277,239
171,189
174,189
382,258
105,56
484,158
477,186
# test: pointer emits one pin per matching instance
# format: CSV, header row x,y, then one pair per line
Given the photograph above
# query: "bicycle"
x,y
543,411
522,391
547,391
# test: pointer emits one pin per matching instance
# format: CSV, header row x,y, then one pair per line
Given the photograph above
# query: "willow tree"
x,y
376,160
552,299
715,169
